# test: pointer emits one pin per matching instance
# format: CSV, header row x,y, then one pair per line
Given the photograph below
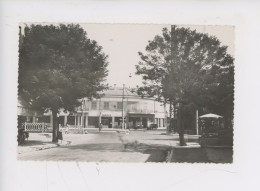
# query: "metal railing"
x,y
35,127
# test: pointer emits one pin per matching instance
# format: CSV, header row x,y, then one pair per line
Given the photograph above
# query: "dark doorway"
x,y
106,122
134,122
144,122
93,122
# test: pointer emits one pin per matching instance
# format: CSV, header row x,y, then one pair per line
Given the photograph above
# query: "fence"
x,y
36,127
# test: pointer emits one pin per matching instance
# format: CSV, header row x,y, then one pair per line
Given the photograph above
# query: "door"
x,y
144,122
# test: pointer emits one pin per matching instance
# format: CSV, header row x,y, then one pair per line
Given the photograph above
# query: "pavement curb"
x,y
187,146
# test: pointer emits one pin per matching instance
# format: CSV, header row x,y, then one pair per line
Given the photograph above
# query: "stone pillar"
x,y
34,119
75,124
65,119
99,119
127,122
141,122
86,121
113,121
78,120
82,121
51,121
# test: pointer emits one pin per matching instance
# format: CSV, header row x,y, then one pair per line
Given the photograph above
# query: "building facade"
x,y
117,108
110,109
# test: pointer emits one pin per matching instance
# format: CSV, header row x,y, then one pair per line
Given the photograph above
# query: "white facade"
x,y
117,102
109,109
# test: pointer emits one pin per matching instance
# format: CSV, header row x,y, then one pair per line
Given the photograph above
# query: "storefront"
x,y
138,112
136,120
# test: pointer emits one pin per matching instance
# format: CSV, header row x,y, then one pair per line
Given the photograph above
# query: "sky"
x,y
122,42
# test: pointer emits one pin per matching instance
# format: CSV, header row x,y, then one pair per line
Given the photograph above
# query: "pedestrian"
x,y
67,128
60,137
100,127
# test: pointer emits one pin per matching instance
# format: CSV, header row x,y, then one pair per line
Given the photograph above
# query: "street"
x,y
107,146
122,146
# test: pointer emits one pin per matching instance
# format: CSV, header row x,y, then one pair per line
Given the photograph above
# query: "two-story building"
x,y
110,109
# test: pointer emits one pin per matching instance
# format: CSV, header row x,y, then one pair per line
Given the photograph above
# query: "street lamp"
x,y
123,121
123,96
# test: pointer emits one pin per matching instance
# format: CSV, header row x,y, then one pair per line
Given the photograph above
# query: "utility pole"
x,y
99,109
123,120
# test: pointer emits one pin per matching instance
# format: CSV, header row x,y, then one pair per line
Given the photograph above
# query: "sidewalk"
x,y
39,141
196,154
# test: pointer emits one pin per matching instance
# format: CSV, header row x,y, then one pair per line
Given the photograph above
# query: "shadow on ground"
x,y
34,143
202,155
157,153
103,147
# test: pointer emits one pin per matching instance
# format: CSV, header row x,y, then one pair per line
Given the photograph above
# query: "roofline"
x,y
127,96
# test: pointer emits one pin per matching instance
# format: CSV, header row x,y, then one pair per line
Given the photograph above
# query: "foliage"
x,y
188,69
59,65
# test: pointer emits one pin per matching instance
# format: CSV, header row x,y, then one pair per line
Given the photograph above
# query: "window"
x,y
94,105
106,105
119,105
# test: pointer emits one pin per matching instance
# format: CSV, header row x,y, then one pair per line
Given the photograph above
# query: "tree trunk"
x,y
180,127
169,125
55,126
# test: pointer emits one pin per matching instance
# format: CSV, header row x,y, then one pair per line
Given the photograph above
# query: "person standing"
x,y
60,137
67,128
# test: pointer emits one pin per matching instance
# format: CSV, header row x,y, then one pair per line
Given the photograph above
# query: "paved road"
x,y
105,147
137,146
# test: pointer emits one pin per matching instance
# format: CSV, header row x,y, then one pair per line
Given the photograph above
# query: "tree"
x,y
59,65
188,70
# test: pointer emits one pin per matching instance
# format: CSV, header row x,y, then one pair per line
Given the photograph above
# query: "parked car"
x,y
153,126
138,126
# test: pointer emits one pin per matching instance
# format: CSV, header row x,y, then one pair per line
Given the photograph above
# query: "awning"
x,y
211,115
130,114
